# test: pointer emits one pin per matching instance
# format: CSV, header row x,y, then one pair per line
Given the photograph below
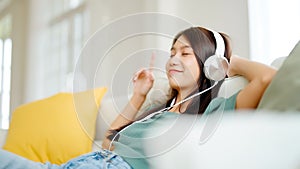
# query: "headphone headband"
x,y
215,67
220,44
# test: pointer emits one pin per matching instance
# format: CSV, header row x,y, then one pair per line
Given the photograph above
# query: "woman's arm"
x,y
259,77
143,82
124,118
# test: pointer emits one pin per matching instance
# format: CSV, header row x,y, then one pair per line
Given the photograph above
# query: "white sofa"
x,y
248,140
253,141
110,107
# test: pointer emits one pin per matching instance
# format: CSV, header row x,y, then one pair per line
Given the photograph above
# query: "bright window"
x,y
274,28
66,36
5,70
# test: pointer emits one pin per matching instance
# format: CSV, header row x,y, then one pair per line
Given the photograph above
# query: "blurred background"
x,y
41,40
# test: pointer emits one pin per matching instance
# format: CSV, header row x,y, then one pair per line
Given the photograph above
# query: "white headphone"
x,y
216,66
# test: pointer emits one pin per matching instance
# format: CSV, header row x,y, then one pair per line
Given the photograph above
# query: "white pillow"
x,y
231,85
278,62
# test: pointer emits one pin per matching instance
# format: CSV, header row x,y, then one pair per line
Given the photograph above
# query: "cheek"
x,y
167,65
196,72
193,68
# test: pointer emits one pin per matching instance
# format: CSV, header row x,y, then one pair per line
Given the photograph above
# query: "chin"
x,y
173,83
174,86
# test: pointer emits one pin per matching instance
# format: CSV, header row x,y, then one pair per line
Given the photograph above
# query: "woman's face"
x,y
182,68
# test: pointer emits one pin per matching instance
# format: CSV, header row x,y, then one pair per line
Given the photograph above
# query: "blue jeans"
x,y
102,159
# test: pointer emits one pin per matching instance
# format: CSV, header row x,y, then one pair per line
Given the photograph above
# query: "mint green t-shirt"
x,y
131,142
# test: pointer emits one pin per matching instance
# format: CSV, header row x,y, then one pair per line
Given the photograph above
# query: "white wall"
x,y
228,16
36,51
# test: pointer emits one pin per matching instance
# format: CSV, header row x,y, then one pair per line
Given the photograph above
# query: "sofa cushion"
x,y
232,85
55,129
283,93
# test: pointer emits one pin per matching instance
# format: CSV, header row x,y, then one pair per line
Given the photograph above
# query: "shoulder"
x,y
222,104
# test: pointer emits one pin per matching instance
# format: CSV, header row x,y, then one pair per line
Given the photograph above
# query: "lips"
x,y
174,71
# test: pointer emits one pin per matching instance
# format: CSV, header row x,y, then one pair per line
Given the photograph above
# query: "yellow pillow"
x,y
55,129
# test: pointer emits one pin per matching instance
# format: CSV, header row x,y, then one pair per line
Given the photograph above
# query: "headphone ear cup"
x,y
215,67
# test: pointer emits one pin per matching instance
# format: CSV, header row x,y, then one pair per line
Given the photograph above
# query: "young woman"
x,y
186,74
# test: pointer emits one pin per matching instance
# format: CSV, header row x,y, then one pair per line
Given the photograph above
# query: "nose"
x,y
174,60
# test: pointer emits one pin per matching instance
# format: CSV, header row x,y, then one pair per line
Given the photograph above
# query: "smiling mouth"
x,y
174,71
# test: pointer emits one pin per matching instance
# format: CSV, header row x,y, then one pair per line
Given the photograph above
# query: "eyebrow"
x,y
185,46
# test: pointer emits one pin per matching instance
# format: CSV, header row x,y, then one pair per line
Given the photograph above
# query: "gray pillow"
x,y
283,93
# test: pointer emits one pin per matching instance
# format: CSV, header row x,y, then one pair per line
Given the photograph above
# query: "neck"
x,y
182,94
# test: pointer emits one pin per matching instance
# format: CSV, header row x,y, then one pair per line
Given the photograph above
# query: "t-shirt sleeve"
x,y
221,104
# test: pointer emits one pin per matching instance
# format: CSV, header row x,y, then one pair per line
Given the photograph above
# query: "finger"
x,y
134,77
151,76
152,60
138,74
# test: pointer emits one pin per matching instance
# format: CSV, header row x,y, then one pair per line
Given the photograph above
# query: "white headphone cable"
x,y
161,111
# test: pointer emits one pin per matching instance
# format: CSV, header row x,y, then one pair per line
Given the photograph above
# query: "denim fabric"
x,y
102,159
12,161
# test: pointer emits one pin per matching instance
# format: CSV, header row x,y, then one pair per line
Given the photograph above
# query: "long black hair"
x,y
203,44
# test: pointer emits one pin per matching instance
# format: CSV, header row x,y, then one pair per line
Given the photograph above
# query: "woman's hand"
x,y
259,76
143,80
232,65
